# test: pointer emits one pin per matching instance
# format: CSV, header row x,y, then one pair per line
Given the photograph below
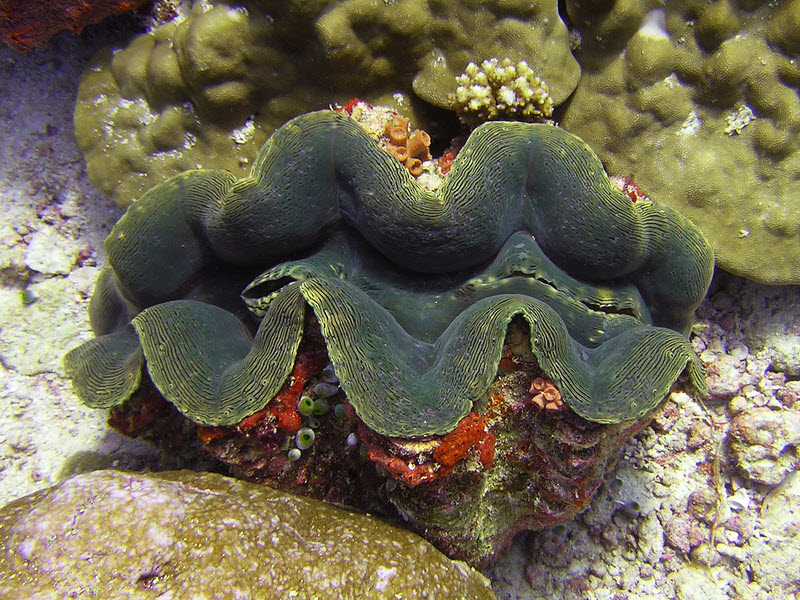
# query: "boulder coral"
x,y
698,99
190,535
230,296
701,101
208,89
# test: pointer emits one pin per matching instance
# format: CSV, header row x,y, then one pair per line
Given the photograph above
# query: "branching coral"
x,y
501,90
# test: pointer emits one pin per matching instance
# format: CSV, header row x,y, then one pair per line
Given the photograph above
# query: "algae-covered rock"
x,y
414,318
183,535
206,91
522,459
700,102
765,444
774,555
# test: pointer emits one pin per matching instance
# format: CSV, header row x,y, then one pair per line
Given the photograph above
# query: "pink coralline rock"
x,y
683,533
727,375
765,443
28,24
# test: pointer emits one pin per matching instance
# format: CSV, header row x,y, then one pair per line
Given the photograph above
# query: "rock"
x,y
726,375
694,583
187,535
683,533
677,532
764,443
651,539
780,514
50,253
772,320
775,554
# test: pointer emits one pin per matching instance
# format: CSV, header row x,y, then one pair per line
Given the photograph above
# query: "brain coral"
x,y
206,91
413,290
701,101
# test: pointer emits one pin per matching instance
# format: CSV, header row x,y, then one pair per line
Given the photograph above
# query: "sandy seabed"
x,y
704,504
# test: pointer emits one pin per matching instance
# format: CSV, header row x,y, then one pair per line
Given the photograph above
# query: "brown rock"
x,y
183,535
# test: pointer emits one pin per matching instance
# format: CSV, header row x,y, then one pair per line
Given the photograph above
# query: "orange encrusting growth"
x,y
410,147
28,24
283,406
409,473
456,445
469,434
545,394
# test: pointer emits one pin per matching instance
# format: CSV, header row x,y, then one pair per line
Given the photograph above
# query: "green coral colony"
x,y
413,290
699,100
208,88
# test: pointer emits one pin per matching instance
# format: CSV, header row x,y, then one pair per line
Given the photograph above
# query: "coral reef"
x,y
701,100
28,24
409,295
208,89
637,538
189,534
500,90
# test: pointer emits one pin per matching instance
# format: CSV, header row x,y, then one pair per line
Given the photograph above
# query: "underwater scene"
x,y
400,299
